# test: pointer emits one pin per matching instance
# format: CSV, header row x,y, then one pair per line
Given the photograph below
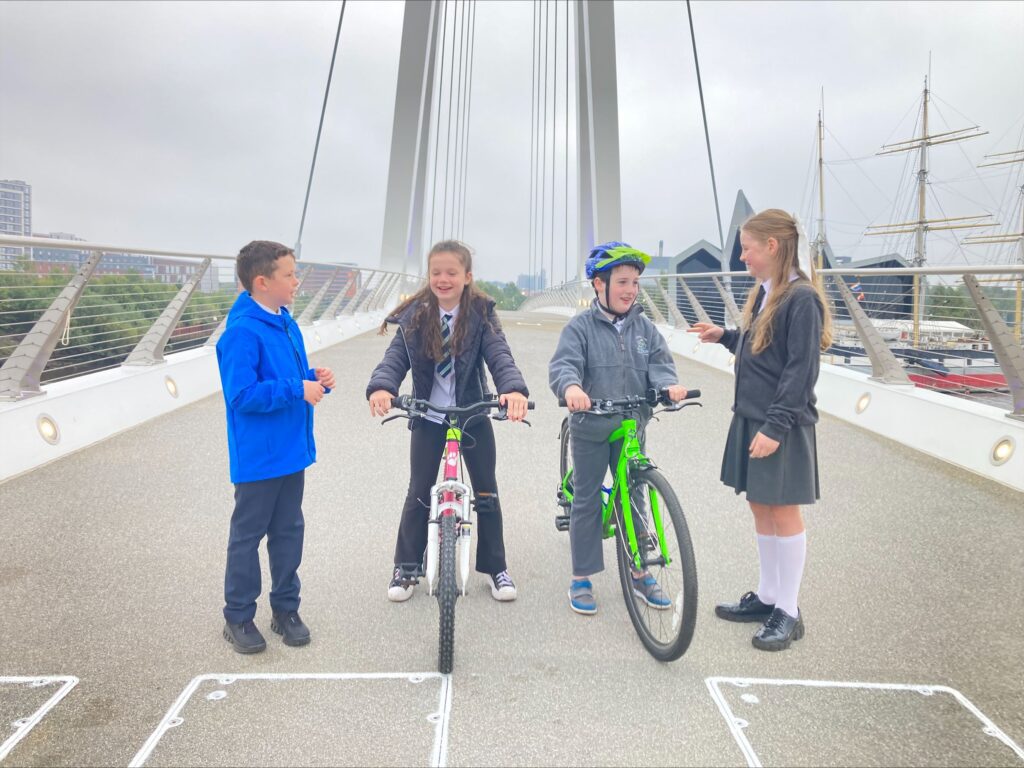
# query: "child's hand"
x,y
312,392
576,399
762,446
516,404
325,376
380,402
676,392
709,332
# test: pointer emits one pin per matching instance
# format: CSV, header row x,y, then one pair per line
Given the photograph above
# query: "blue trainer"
x,y
647,589
581,597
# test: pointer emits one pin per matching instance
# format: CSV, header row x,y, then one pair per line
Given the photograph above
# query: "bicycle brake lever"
x,y
392,418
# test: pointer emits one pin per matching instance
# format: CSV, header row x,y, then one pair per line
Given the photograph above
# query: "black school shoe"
x,y
244,637
779,631
290,627
749,608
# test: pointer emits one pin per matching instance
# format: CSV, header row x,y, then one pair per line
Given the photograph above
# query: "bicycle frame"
x,y
447,498
633,457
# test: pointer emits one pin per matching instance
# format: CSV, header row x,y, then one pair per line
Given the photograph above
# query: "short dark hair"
x,y
259,258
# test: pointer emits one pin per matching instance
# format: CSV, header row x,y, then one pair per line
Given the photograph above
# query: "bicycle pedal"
x,y
562,522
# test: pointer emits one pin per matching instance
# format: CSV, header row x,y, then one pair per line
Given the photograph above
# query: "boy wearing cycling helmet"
x,y
609,351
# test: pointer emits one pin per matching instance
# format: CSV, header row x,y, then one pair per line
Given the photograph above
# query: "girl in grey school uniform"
x,y
770,451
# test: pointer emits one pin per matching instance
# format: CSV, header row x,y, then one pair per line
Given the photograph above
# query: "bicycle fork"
x,y
449,497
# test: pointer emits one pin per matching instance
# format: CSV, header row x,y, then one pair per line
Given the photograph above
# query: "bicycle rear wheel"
x,y
447,594
665,614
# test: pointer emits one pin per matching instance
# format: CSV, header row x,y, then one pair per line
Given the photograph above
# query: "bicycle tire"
x,y
447,594
666,633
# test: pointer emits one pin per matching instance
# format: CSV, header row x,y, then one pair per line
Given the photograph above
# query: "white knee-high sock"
x,y
768,586
792,552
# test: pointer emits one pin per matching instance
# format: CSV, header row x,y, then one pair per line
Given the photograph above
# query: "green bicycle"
x,y
643,514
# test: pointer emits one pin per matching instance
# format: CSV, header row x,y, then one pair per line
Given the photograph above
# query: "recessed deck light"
x,y
863,402
172,387
48,429
1002,450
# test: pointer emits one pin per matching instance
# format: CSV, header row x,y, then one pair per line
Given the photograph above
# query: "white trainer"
x,y
503,588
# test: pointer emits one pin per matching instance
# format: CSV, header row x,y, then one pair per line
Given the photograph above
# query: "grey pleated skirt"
x,y
788,476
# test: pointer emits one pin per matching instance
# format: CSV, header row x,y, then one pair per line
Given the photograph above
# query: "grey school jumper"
x,y
605,363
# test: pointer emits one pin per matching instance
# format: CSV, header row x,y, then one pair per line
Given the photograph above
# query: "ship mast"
x,y
923,224
1016,156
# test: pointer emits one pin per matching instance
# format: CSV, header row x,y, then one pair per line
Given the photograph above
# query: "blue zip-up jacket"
x,y
262,362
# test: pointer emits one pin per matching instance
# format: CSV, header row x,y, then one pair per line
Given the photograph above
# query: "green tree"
x,y
505,295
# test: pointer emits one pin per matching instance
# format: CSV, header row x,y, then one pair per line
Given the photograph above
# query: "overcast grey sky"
x,y
191,125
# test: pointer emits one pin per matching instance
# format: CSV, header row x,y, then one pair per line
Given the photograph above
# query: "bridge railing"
x,y
956,330
71,307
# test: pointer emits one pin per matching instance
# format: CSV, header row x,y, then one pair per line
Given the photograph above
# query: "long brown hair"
x,y
425,318
777,224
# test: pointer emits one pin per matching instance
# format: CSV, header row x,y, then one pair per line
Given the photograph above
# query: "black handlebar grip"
x,y
561,402
691,394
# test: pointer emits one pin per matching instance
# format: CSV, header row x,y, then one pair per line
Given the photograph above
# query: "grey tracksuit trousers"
x,y
592,457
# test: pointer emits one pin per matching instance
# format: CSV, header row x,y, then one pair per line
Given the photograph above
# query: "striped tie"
x,y
445,366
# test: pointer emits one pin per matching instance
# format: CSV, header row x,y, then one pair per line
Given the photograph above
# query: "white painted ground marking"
x,y
23,725
438,753
736,724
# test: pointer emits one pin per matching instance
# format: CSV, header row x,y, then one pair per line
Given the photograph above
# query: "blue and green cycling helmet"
x,y
608,255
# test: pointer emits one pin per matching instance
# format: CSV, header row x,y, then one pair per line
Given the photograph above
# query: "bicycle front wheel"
x,y
447,594
661,597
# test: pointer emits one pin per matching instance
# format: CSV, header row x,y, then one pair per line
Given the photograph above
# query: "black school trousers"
x,y
425,453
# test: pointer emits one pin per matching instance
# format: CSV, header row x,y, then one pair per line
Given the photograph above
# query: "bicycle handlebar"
x,y
420,407
652,398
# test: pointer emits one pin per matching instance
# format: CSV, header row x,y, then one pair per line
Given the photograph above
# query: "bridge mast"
x,y
401,245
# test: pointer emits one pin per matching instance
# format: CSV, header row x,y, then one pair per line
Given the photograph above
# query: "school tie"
x,y
757,303
445,366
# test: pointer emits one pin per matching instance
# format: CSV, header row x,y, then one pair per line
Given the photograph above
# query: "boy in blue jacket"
x,y
269,391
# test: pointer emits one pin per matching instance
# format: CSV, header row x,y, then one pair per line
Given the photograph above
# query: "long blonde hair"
x,y
779,225
424,320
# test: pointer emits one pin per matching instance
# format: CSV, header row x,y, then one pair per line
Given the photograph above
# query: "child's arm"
x,y
661,366
803,346
390,372
498,356
238,358
569,361
711,333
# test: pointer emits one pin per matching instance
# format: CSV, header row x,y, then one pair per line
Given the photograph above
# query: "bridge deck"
x,y
111,568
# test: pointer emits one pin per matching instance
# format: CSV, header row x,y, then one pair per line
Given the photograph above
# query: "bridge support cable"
x,y
469,113
460,117
319,131
532,151
707,134
544,148
445,229
554,125
565,255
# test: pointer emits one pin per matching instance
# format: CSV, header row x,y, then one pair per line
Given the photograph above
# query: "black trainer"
x,y
290,627
244,637
749,608
779,631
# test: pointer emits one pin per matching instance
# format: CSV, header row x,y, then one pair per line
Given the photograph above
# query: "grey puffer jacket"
x,y
484,342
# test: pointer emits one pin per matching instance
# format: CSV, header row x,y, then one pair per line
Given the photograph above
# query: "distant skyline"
x,y
191,126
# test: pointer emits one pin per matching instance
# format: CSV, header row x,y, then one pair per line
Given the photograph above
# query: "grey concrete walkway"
x,y
111,567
